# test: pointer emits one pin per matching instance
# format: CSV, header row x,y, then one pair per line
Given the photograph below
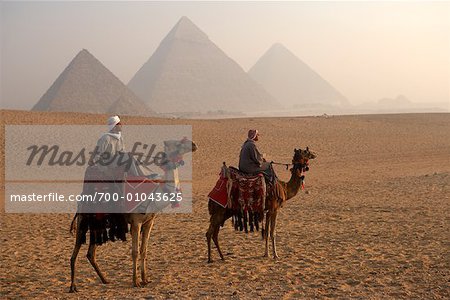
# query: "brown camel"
x,y
141,225
275,198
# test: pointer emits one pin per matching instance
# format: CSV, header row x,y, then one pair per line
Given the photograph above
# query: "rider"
x,y
110,145
251,161
108,159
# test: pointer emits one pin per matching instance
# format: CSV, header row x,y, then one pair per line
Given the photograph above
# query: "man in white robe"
x,y
111,152
110,146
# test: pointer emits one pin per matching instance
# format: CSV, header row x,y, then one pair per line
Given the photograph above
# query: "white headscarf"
x,y
112,122
252,133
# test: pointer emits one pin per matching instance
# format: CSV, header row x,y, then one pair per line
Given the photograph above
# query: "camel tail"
x,y
73,225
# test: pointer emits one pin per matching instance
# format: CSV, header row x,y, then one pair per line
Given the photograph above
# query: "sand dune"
x,y
374,222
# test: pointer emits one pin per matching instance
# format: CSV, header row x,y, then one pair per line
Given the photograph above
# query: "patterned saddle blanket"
x,y
239,191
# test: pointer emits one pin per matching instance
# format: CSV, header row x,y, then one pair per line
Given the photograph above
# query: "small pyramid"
x,y
189,73
85,85
291,81
124,106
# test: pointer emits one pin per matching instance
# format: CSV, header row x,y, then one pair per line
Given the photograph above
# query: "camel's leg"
x,y
91,257
135,235
209,234
147,228
215,221
273,224
215,238
266,234
73,259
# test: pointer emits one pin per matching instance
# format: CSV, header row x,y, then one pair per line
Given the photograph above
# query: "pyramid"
x,y
86,85
126,106
189,73
292,82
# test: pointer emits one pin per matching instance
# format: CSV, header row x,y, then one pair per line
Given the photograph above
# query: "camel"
x,y
141,224
275,198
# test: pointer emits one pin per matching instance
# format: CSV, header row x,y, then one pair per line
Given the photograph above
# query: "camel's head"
x,y
301,160
174,150
179,147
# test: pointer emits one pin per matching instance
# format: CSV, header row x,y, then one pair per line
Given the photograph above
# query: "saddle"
x,y
240,190
251,190
242,174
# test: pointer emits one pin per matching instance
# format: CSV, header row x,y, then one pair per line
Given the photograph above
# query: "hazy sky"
x,y
367,50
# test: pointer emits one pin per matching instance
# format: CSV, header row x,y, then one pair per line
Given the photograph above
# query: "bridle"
x,y
172,162
174,159
302,165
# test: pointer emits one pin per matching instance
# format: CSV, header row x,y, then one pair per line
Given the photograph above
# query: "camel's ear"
x,y
295,149
307,148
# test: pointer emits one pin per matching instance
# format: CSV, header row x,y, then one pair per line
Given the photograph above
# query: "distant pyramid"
x,y
86,85
292,82
127,106
189,73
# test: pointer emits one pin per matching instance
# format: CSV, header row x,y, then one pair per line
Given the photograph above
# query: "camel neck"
x,y
293,186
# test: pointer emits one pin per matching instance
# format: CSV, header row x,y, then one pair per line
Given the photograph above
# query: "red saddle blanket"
x,y
247,192
219,193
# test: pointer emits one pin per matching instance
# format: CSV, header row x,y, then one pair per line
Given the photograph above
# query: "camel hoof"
x,y
276,256
73,289
145,282
105,281
210,261
137,284
266,255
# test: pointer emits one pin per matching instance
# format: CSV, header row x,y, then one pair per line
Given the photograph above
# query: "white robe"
x,y
113,145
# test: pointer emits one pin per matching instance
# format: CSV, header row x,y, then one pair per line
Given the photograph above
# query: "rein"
x,y
282,164
287,165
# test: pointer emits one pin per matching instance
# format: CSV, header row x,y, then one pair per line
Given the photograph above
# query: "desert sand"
x,y
373,221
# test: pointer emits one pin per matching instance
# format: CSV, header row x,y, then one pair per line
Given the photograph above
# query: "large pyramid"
x,y
86,85
292,82
189,73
